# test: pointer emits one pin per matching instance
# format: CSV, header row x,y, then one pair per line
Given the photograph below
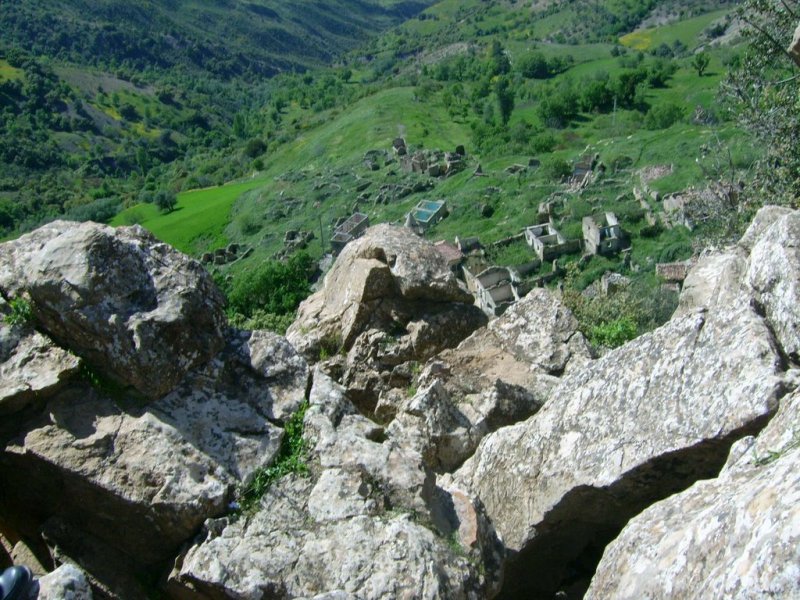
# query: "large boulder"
x,y
367,522
115,465
67,582
774,276
641,423
143,478
134,308
386,279
736,536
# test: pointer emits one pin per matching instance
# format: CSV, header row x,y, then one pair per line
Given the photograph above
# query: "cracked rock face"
x,y
133,307
637,425
736,536
157,471
371,523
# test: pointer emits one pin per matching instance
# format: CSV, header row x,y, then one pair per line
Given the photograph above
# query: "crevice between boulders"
x,y
564,553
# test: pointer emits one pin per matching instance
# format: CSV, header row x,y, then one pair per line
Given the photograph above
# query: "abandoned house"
x,y
674,274
351,229
426,214
602,234
495,288
468,244
548,243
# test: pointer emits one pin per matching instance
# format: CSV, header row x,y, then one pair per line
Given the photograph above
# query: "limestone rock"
x,y
383,280
143,478
737,536
540,331
371,524
639,424
67,582
134,308
763,220
498,376
774,275
31,366
794,47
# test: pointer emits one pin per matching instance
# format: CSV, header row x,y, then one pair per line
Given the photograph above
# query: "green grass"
x,y
291,459
199,220
686,31
9,73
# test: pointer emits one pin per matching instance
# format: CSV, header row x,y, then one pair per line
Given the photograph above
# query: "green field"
x,y
197,223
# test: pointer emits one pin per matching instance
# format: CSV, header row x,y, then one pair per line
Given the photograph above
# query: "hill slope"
x,y
227,38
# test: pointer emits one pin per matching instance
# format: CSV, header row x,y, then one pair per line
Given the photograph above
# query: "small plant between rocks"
x,y
291,459
21,312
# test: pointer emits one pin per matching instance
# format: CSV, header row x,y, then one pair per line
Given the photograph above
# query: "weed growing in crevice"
x,y
21,312
100,382
291,459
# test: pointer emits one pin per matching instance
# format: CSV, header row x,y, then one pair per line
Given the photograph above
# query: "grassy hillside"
x,y
105,103
316,175
529,91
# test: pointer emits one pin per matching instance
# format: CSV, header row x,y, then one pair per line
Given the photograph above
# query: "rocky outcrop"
x,y
500,375
735,536
369,522
389,300
119,299
120,464
643,422
440,461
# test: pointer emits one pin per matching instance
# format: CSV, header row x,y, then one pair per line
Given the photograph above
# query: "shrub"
x,y
556,169
274,287
262,320
662,116
255,147
612,334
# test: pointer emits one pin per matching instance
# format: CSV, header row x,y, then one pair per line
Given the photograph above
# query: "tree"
x,y
505,98
165,200
255,147
763,91
700,63
239,126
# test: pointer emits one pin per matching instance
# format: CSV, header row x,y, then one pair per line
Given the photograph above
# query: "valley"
x,y
531,93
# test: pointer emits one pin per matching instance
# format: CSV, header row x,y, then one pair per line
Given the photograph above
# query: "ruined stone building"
x,y
548,243
351,229
602,234
495,288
